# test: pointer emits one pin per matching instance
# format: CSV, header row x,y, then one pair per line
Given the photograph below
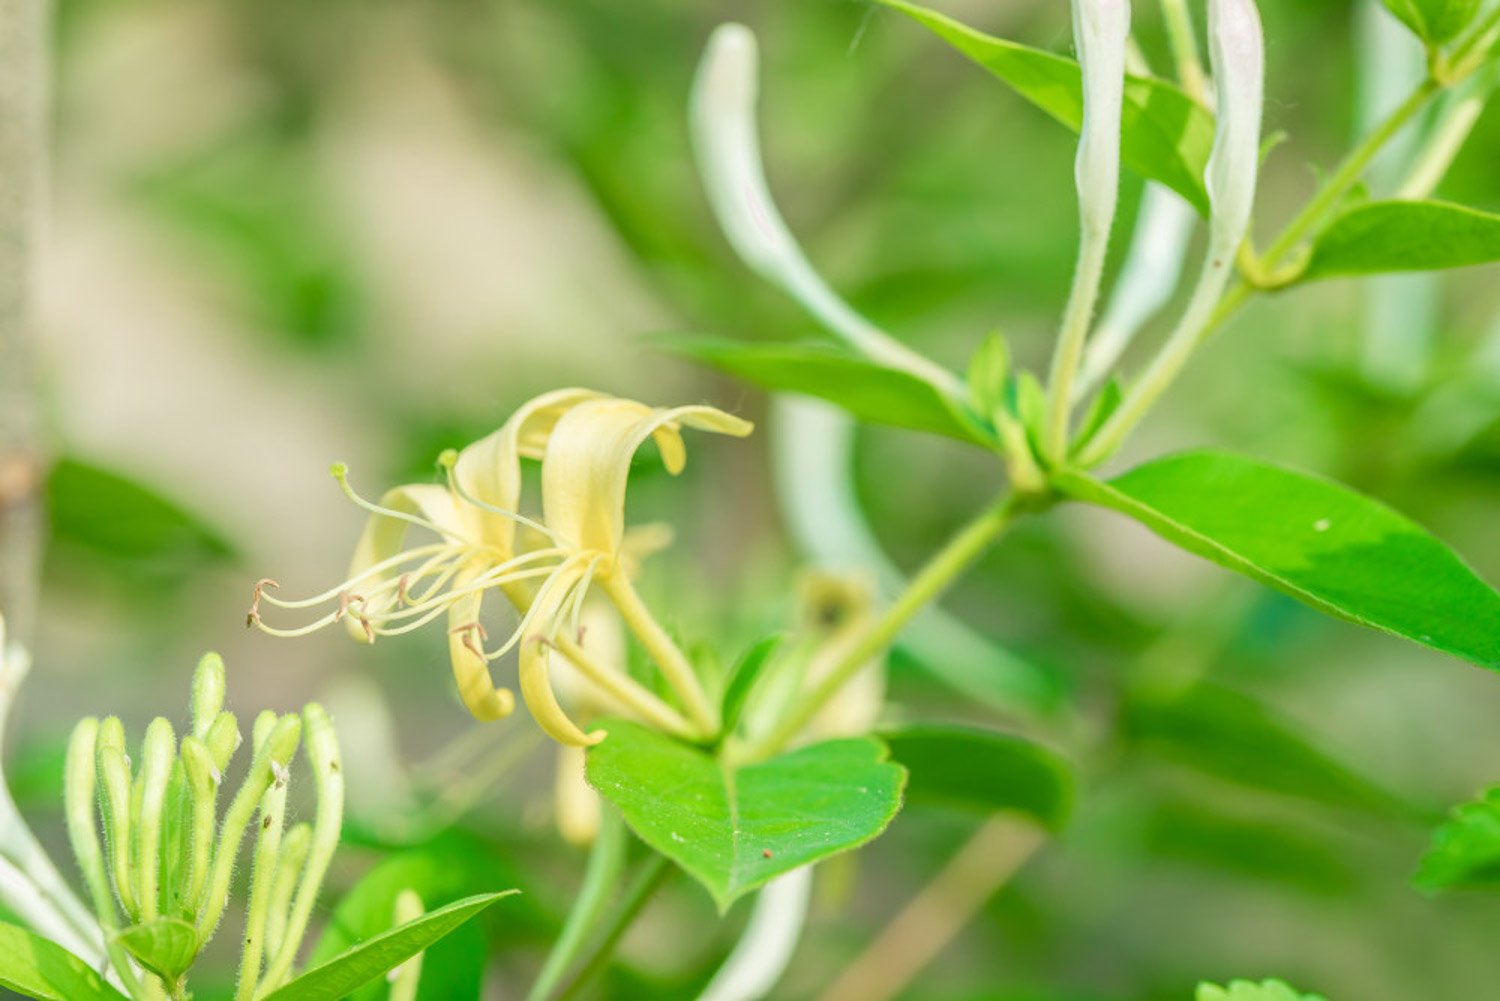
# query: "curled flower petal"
x,y
470,668
536,686
587,463
489,470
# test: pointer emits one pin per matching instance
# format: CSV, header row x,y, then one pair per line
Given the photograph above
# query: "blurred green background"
x,y
285,234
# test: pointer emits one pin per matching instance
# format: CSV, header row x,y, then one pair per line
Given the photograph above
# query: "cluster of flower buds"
x,y
160,876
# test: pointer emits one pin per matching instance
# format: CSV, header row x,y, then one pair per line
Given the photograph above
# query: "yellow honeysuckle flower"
x,y
585,441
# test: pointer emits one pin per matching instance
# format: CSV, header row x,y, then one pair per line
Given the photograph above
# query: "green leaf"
x,y
1379,237
1244,990
742,679
37,968
1222,733
988,374
121,519
1325,545
1103,407
1165,135
982,771
439,873
1465,852
1434,21
1185,832
733,828
360,965
166,946
871,392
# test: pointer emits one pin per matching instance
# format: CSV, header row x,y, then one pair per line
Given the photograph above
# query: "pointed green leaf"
x,y
1325,545
1380,237
742,679
1244,990
1230,736
1465,852
166,946
734,828
988,374
365,962
1434,21
1165,135
983,771
33,966
871,392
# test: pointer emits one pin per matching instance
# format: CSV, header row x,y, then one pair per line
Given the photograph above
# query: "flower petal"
x,y
489,470
466,649
587,463
385,536
536,686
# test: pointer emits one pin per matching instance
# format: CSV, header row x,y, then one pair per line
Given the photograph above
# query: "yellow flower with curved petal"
x,y
586,442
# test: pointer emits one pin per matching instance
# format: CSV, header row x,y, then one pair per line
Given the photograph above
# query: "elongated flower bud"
x,y
1100,31
208,693
158,754
1237,51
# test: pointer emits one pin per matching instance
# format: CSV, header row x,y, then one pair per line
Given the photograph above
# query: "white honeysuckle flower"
x,y
722,118
585,441
1101,30
1238,57
1147,279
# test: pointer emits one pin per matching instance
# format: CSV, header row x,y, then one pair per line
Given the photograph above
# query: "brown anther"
x,y
364,621
346,602
475,625
582,630
401,589
260,586
251,618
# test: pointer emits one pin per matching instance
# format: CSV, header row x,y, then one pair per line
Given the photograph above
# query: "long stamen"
x,y
341,474
525,627
441,607
379,568
448,460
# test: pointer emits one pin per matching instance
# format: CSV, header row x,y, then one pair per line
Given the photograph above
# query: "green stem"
x,y
1207,310
673,662
1477,34
1348,174
605,862
648,879
952,560
1077,317
1185,48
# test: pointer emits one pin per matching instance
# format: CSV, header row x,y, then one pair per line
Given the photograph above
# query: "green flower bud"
x,y
158,754
208,693
223,739
115,798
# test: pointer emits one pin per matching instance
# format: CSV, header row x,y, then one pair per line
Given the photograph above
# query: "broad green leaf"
x,y
734,828
742,679
33,966
119,518
1325,545
1256,850
1165,135
1244,990
1404,236
1465,851
1225,734
1434,21
166,946
982,771
374,958
867,390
